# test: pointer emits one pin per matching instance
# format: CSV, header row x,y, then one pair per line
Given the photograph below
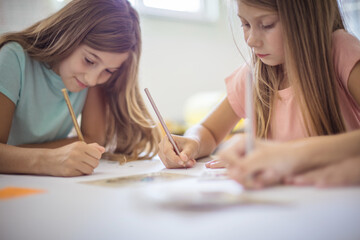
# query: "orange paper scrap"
x,y
13,192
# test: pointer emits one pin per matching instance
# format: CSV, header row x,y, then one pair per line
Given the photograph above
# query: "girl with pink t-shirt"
x,y
306,79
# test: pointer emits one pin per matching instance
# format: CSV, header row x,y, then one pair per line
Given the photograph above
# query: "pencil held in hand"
x,y
162,122
76,125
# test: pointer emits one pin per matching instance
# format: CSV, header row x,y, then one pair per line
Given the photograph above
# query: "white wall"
x,y
180,58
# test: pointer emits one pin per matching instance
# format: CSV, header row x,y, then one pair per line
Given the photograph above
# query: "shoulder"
x,y
238,76
344,43
341,35
235,88
346,53
13,50
14,47
12,62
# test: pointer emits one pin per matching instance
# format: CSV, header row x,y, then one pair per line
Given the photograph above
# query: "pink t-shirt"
x,y
287,122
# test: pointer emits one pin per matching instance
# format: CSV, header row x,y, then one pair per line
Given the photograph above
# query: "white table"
x,y
70,209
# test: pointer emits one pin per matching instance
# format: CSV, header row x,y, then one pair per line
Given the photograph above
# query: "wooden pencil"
x,y
76,125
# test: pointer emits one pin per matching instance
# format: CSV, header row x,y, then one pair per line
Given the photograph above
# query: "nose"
x,y
91,78
253,39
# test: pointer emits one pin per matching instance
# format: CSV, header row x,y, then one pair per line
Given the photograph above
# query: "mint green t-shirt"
x,y
41,113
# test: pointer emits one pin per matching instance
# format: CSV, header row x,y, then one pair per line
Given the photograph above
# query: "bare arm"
x,y
323,150
70,160
214,128
200,140
93,121
270,163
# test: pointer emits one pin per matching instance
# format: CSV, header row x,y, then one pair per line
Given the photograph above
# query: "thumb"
x,y
189,151
184,156
98,147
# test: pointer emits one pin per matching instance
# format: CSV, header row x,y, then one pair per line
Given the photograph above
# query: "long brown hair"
x,y
105,25
307,29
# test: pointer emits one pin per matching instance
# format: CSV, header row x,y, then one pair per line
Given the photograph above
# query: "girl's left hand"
x,y
231,150
268,164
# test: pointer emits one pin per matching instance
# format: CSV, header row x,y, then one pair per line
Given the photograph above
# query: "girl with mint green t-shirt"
x,y
91,48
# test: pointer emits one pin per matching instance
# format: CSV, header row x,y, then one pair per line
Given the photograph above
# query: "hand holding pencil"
x,y
74,159
175,151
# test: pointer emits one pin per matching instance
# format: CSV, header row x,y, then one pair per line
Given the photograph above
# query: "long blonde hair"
x,y
105,25
307,29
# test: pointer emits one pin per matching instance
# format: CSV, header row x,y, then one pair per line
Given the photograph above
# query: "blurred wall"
x,y
180,58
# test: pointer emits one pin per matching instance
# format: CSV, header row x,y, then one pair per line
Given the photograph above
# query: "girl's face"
x,y
263,33
87,67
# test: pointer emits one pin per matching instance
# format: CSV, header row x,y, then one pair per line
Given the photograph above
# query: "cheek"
x,y
278,41
246,36
62,69
66,68
104,77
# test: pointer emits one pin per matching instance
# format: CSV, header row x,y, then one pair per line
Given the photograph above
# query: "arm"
x,y
214,128
200,140
93,120
272,163
71,160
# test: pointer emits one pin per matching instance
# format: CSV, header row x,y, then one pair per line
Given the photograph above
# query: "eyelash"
x,y
91,63
88,61
266,27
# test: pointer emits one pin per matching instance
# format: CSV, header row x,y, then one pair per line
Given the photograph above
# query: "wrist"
x,y
39,163
197,152
305,155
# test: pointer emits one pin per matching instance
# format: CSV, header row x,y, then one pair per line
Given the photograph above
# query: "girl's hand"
x,y
232,150
268,164
188,149
75,159
216,163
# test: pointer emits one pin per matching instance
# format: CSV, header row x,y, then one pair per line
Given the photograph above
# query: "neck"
x,y
284,82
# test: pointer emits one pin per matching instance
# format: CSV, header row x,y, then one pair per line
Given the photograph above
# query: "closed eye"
x,y
108,71
88,61
268,26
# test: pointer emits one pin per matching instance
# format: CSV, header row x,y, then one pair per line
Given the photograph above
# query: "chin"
x,y
73,89
271,63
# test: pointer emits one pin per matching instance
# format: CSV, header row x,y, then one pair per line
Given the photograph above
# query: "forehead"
x,y
252,12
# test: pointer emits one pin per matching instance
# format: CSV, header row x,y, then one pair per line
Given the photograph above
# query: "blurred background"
x,y
188,49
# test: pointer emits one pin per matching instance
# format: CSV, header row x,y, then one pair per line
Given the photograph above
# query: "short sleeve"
x,y
10,71
346,53
235,87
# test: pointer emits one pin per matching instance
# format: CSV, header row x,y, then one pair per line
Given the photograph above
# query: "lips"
x,y
262,55
81,84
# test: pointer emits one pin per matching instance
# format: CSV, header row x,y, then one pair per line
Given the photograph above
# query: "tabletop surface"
x,y
159,203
